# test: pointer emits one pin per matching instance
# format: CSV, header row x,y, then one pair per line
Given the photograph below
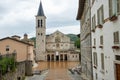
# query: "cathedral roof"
x,y
40,10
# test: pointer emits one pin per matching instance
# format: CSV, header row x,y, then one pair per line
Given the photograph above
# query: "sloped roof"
x,y
16,40
40,10
80,9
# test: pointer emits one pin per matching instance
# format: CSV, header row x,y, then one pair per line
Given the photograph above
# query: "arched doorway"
x,y
61,57
52,57
48,57
57,57
65,57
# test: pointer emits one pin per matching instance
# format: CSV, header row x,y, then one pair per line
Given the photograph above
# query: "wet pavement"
x,y
55,71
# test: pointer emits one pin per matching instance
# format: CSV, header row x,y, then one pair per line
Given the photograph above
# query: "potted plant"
x,y
99,26
93,30
115,47
113,18
100,46
94,47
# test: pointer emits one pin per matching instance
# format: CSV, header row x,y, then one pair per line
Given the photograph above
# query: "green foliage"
x,y
6,63
33,39
77,43
73,37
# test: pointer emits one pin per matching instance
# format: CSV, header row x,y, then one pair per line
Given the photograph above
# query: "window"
x,y
95,58
101,40
93,1
116,37
114,7
100,15
41,34
94,41
41,23
118,6
93,22
38,33
7,48
96,76
102,61
38,23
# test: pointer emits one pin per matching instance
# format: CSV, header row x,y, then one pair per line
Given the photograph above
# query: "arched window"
x,y
38,23
41,21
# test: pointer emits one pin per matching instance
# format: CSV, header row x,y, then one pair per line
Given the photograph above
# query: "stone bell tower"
x,y
40,33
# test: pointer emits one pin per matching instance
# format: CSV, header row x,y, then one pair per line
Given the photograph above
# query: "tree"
x,y
77,43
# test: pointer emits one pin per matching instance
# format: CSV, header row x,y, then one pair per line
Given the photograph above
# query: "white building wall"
x,y
108,41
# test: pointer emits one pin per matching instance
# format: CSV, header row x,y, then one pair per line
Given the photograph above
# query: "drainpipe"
x,y
90,39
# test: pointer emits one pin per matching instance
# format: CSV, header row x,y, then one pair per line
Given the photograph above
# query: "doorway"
x,y
48,57
65,57
117,71
57,58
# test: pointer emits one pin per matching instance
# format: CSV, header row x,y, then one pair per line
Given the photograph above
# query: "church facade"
x,y
54,47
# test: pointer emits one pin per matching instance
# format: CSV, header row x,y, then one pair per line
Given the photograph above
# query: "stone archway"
x,y
48,57
57,57
52,57
65,57
61,57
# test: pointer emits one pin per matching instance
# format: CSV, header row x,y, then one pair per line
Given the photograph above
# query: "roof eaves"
x,y
80,9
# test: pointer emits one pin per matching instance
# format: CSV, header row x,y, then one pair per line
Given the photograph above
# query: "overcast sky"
x,y
18,16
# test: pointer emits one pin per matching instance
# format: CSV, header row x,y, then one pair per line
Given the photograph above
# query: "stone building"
x,y
53,47
60,48
24,57
85,36
105,27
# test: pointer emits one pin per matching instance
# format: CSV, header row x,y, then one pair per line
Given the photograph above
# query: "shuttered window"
x,y
95,58
93,22
101,40
114,7
116,37
118,6
94,41
102,61
100,15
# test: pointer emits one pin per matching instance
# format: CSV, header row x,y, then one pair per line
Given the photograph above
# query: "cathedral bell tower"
x,y
40,33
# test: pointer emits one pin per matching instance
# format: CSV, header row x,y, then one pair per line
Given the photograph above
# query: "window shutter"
x,y
102,61
110,8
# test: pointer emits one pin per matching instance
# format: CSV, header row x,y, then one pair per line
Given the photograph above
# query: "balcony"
x,y
113,18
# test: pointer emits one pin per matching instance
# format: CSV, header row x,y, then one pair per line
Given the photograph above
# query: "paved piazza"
x,y
55,71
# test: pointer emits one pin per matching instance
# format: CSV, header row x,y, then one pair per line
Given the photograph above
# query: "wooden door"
x,y
117,71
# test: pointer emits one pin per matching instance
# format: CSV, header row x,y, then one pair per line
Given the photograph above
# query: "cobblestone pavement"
x,y
57,71
38,77
75,76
